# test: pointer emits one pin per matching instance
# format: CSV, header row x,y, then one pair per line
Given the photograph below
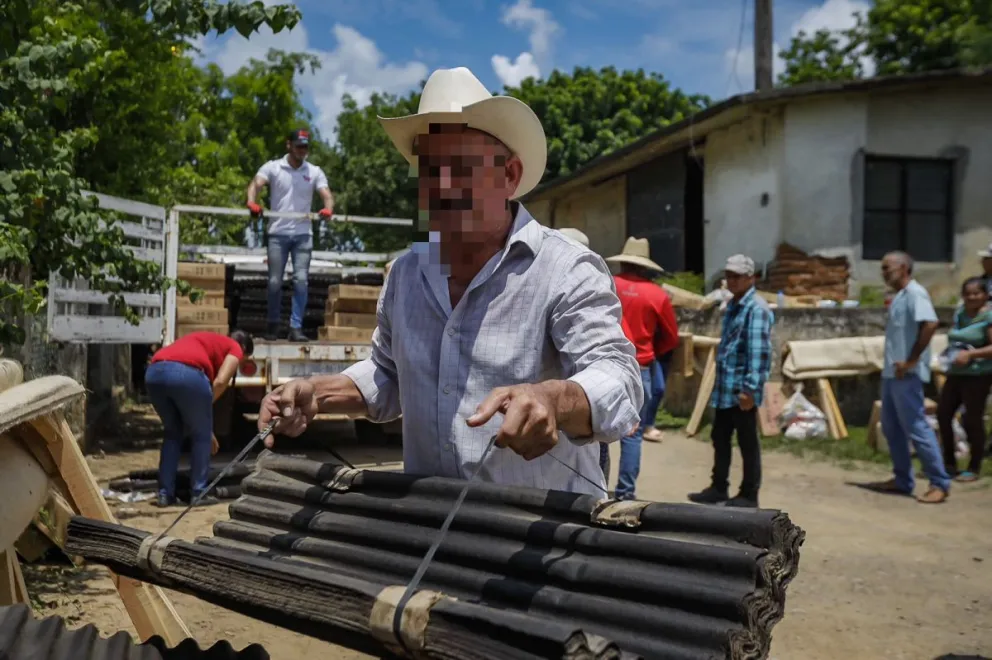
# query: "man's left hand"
x,y
903,367
325,213
745,401
530,426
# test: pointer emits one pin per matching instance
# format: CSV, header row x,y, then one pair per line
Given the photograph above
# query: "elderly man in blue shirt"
x,y
497,326
911,325
743,363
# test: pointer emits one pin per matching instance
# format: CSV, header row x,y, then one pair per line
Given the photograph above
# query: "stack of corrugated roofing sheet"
x,y
22,637
524,573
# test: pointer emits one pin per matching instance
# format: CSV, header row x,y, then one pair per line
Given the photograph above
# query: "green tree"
x,y
898,37
55,56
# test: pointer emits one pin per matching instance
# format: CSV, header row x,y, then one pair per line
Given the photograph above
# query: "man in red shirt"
x,y
649,323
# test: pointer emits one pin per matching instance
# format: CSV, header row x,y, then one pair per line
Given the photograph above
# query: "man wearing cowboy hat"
x,y
493,314
649,323
743,362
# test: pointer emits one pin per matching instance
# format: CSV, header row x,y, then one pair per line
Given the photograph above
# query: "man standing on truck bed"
x,y
494,314
292,181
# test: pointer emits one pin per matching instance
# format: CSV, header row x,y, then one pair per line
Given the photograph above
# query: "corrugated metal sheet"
x,y
24,637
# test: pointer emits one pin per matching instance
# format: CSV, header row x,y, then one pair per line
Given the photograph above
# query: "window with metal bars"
x,y
908,207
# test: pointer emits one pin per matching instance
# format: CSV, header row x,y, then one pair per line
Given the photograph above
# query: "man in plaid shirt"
x,y
743,362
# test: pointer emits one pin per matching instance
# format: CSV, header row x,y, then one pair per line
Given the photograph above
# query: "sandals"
x,y
933,495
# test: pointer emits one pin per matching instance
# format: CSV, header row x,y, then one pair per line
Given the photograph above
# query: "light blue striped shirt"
x,y
543,308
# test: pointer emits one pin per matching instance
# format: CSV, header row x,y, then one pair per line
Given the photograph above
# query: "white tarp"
x,y
843,357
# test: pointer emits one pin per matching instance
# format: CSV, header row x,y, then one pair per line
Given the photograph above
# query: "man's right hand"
x,y
255,209
295,403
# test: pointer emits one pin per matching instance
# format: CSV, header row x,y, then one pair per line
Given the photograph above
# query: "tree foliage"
x,y
79,97
895,37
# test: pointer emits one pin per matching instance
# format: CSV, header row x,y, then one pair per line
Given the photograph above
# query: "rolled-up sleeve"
x,y
585,327
375,377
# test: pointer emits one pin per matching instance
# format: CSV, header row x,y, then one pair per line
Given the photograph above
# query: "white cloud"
x,y
542,29
513,73
355,66
834,15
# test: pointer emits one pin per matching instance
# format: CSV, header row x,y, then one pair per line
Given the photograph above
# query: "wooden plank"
x,y
771,409
345,334
705,391
13,591
838,415
825,390
75,296
201,316
33,544
685,354
107,330
874,422
149,609
349,320
128,206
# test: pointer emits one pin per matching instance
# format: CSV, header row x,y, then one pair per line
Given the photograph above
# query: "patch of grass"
x,y
666,420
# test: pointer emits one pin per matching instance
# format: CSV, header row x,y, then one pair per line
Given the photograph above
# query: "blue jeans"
x,y
183,398
659,375
630,448
904,421
281,248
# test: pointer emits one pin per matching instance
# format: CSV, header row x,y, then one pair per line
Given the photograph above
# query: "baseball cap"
x,y
300,136
987,252
740,264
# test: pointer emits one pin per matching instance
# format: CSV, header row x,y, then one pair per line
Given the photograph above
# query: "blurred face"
x,y
893,271
974,297
298,152
738,284
987,265
465,179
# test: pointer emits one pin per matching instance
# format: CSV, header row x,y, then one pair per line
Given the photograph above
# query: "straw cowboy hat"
x,y
456,96
636,251
575,235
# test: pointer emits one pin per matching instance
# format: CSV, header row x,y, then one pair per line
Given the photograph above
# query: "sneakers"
x,y
296,334
164,501
271,332
709,495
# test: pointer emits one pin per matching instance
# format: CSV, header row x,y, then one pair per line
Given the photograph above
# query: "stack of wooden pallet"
x,y
350,313
209,313
796,273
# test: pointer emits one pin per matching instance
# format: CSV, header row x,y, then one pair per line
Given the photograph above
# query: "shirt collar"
x,y
284,162
525,230
745,299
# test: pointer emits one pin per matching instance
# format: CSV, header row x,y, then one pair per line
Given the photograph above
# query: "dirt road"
x,y
880,577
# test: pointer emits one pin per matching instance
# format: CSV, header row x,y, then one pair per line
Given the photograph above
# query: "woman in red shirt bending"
x,y
183,380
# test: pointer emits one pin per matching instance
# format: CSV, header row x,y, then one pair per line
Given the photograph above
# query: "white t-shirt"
x,y
291,190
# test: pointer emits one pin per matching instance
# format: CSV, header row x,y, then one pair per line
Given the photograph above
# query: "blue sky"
x,y
390,45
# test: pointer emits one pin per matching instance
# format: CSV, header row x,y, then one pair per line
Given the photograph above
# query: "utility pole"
x,y
763,41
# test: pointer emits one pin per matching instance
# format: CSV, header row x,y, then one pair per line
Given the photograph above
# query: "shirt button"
x,y
447,390
449,447
451,332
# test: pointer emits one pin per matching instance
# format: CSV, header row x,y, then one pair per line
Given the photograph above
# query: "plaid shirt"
x,y
744,357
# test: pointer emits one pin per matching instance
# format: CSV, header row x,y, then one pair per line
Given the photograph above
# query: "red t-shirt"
x,y
648,317
204,350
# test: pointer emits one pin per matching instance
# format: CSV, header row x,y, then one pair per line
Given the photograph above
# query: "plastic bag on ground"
x,y
801,419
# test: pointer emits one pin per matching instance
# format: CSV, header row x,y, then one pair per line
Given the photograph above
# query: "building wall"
x,y
742,193
600,212
823,178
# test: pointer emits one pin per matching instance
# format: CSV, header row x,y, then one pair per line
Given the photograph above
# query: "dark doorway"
x,y
665,206
694,237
